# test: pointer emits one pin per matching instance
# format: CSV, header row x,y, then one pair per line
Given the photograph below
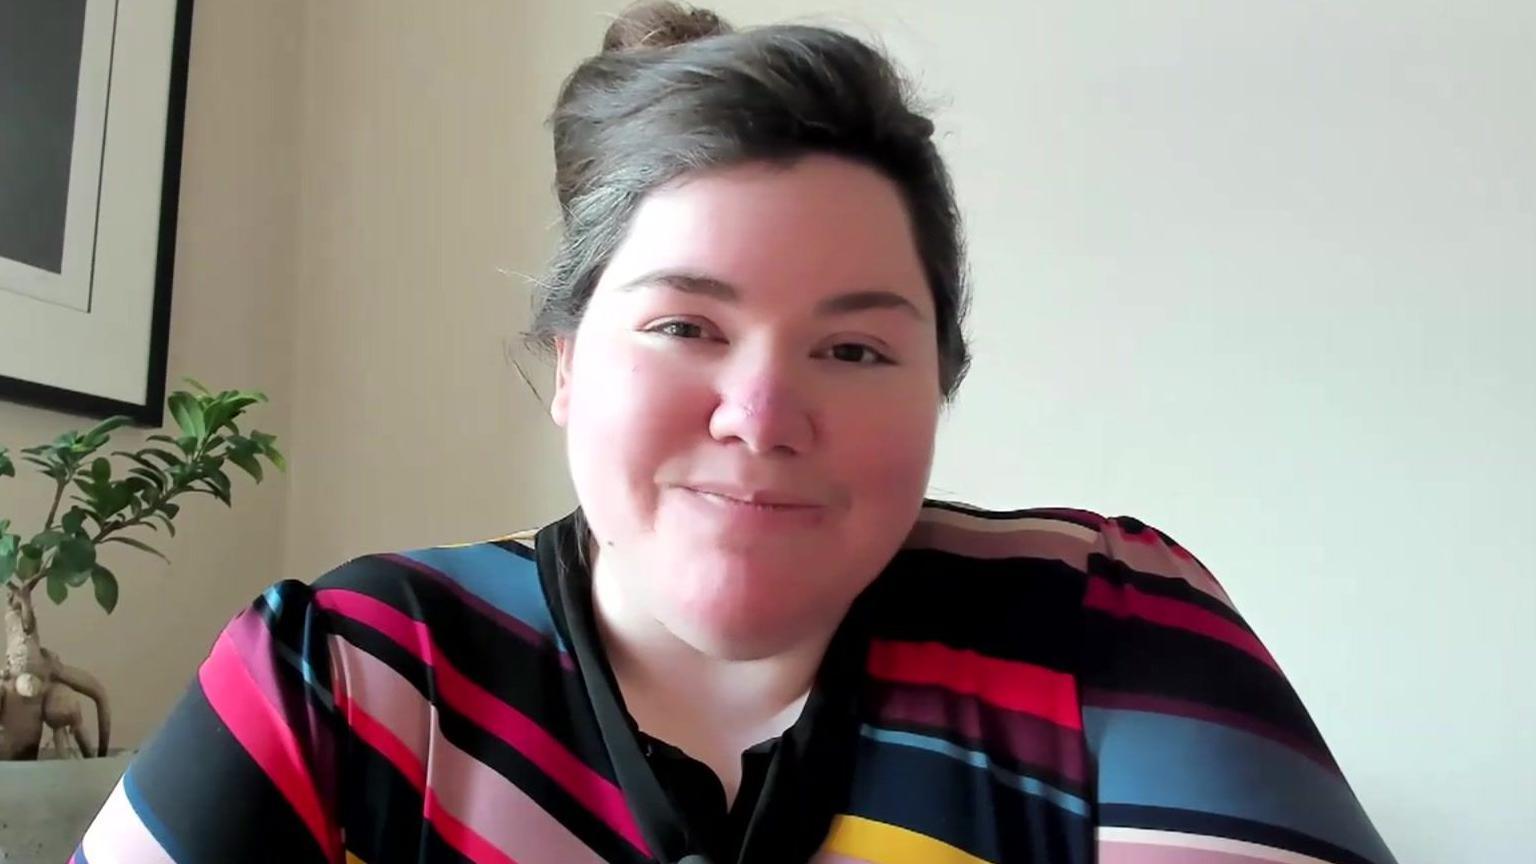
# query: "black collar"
x,y
808,779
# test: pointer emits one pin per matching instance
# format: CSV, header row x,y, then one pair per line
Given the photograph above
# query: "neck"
x,y
650,658
732,704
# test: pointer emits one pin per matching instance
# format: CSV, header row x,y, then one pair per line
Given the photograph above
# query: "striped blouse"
x,y
1041,685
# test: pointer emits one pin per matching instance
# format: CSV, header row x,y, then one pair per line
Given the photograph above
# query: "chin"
x,y
741,613
737,641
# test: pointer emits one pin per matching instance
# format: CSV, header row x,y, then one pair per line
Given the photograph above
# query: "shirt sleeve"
x,y
1202,751
244,768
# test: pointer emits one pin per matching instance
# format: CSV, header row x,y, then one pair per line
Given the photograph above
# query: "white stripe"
x,y
1022,524
1149,837
118,835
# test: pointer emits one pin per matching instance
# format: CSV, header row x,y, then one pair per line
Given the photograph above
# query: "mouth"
x,y
764,500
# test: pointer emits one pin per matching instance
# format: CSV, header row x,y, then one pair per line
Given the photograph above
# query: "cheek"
x,y
628,416
883,443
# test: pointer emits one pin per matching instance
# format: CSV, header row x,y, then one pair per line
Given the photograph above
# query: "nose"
x,y
764,407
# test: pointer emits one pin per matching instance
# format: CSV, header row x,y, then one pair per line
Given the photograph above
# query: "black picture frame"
x,y
150,348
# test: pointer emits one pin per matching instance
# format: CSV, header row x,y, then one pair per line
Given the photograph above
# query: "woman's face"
x,y
750,401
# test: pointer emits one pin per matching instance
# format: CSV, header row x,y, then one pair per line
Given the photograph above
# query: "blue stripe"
x,y
151,822
274,601
274,598
79,856
508,582
1158,760
1027,785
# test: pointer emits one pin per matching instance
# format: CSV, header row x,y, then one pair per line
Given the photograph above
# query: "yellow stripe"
x,y
879,843
524,537
353,859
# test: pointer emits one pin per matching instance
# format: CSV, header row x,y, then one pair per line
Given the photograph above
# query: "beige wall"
x,y
231,327
425,176
1259,274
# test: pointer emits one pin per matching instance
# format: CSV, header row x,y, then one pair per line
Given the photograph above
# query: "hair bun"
x,y
661,25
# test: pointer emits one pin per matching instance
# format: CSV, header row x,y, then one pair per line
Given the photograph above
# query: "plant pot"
x,y
45,806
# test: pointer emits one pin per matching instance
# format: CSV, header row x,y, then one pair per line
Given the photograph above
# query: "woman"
x,y
755,640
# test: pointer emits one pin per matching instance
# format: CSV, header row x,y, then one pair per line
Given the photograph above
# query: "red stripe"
x,y
1009,684
453,831
265,735
595,792
1128,602
381,738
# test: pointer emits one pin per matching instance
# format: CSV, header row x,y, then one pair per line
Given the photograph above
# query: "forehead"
x,y
820,225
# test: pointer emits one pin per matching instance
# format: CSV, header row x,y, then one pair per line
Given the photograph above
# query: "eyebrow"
x,y
709,286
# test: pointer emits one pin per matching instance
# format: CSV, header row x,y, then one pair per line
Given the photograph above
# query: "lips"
x,y
767,498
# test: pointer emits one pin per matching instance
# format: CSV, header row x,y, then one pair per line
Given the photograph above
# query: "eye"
x,y
678,329
857,353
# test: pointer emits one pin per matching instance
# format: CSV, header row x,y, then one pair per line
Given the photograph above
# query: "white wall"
x,y
1264,274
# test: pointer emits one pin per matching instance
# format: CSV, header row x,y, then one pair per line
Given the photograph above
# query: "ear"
x,y
560,405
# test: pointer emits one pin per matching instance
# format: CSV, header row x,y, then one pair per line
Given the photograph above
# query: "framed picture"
x,y
92,99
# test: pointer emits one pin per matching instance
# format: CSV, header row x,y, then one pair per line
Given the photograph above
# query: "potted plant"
x,y
41,695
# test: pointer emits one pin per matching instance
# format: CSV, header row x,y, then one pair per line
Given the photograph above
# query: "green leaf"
x,y
76,553
106,587
6,468
101,469
220,480
196,384
97,435
48,539
57,589
145,547
154,478
10,550
248,462
73,521
29,562
169,458
76,578
120,495
188,413
167,522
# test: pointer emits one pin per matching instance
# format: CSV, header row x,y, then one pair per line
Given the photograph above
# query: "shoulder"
x,y
1085,541
441,585
966,531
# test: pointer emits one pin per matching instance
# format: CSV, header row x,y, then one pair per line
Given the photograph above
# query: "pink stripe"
x,y
1128,602
262,731
835,858
119,836
1020,543
1117,852
461,836
389,745
592,790
473,794
1146,552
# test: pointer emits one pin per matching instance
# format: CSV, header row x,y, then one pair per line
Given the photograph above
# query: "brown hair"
x,y
677,90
